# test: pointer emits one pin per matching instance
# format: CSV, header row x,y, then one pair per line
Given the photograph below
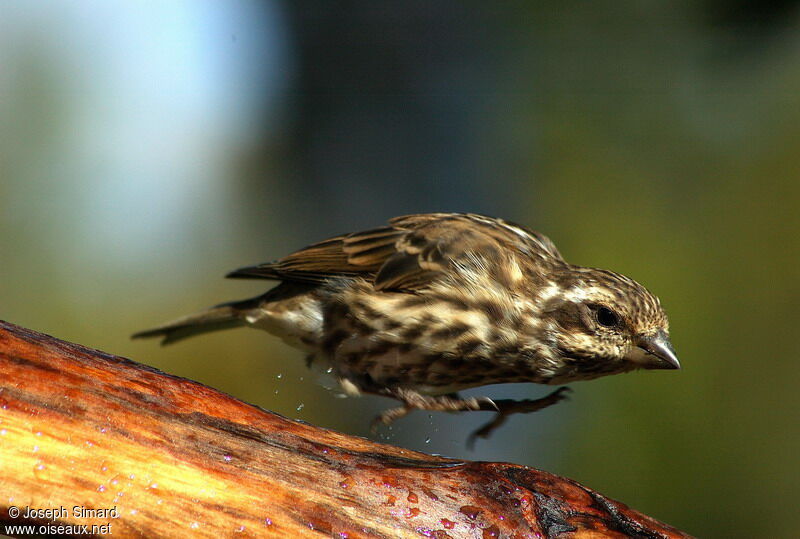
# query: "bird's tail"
x,y
223,316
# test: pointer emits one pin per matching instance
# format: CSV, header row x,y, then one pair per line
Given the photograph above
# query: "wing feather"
x,y
409,254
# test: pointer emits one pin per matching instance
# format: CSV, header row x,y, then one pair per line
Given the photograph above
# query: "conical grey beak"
x,y
658,345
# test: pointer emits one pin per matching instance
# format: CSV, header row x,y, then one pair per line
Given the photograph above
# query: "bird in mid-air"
x,y
432,304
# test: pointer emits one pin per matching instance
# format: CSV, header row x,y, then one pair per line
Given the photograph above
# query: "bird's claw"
x,y
488,402
502,408
506,408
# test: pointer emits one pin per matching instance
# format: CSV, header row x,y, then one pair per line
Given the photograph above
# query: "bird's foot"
x,y
413,400
509,407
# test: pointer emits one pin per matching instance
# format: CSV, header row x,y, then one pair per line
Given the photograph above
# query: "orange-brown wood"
x,y
80,428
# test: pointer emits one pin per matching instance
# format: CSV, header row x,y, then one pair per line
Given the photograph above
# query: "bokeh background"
x,y
146,148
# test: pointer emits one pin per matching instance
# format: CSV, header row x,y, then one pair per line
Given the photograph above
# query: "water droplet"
x,y
101,488
427,440
38,433
194,525
430,494
153,485
470,511
35,448
300,406
227,458
38,471
268,521
279,376
3,432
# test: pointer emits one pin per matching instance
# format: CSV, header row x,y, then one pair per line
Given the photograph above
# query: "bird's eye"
x,y
606,317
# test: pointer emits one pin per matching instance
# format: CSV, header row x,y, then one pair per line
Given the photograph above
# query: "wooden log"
x,y
91,439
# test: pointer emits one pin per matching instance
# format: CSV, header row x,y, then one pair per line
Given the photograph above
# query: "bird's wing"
x,y
409,254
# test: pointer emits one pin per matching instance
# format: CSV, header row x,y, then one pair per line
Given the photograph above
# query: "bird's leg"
x,y
413,400
507,407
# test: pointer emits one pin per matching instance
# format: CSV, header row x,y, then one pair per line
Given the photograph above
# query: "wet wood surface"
x,y
99,440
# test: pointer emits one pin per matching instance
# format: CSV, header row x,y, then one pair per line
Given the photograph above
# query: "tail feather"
x,y
224,316
261,271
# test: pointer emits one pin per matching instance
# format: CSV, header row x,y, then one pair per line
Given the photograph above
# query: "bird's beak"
x,y
659,353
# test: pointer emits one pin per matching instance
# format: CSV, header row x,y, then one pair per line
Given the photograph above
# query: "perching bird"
x,y
436,303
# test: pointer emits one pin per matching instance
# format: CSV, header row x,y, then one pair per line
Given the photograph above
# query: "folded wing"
x,y
407,255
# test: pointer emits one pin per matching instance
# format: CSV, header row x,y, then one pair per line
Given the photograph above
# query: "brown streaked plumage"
x,y
435,303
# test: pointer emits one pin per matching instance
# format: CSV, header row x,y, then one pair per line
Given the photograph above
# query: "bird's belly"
x,y
298,321
375,363
379,343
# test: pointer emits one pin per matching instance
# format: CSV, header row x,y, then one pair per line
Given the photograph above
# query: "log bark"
x,y
91,439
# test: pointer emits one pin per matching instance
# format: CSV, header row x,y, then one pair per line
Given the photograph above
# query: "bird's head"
x,y
601,322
